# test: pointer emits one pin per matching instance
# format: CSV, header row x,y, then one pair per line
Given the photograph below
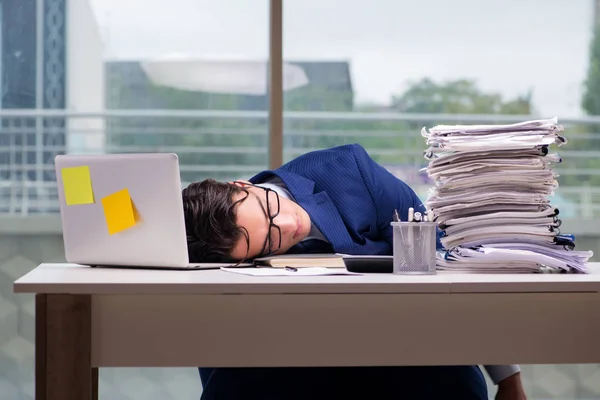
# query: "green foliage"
x,y
591,98
456,97
582,137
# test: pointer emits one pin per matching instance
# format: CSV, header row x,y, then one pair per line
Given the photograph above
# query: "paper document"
x,y
77,185
119,211
492,198
307,271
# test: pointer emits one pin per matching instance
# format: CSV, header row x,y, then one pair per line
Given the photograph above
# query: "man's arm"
x,y
511,388
388,193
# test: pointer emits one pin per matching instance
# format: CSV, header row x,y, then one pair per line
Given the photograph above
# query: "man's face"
x,y
291,223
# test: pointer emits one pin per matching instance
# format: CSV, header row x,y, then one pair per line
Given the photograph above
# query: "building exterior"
x,y
19,54
329,88
33,75
57,67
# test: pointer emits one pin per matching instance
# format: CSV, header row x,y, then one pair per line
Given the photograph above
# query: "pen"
x,y
292,269
418,217
396,216
411,214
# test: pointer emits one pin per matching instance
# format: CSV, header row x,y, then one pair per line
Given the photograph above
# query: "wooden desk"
x,y
90,317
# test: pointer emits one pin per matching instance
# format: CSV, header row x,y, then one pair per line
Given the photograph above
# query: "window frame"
x,y
275,82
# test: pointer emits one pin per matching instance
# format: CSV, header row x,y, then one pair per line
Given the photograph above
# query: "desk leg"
x,y
94,383
63,348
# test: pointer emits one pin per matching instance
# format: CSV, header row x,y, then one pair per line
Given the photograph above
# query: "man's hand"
x,y
511,388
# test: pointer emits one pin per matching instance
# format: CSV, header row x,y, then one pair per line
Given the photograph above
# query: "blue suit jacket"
x,y
348,196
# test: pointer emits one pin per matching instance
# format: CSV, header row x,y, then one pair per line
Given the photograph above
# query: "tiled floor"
x,y
19,254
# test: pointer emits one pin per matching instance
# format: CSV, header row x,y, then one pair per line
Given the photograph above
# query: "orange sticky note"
x,y
119,211
77,185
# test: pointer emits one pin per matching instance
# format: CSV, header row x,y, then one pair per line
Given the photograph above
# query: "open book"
x,y
330,260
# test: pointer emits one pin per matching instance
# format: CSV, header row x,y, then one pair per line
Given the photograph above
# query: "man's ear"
x,y
241,183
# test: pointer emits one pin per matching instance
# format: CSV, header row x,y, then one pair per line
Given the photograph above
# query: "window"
x,y
192,77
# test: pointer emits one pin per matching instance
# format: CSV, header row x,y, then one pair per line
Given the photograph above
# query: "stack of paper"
x,y
490,198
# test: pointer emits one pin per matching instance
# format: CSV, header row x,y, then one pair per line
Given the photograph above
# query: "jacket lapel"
x,y
325,215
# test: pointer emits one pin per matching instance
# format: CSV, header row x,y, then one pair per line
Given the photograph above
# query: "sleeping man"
x,y
333,200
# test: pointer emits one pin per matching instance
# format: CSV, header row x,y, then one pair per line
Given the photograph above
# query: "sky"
x,y
506,46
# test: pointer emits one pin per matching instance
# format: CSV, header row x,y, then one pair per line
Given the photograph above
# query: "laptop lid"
x,y
122,209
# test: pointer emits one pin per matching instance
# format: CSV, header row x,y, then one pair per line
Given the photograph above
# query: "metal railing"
x,y
228,145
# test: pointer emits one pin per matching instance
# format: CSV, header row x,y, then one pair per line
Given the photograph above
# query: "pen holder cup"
x,y
414,248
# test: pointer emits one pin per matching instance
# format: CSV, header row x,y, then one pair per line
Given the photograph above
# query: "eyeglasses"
x,y
274,235
272,211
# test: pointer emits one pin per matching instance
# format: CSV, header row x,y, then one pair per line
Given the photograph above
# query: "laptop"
x,y
123,210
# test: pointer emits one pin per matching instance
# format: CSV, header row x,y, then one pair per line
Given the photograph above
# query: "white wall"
x,y
85,85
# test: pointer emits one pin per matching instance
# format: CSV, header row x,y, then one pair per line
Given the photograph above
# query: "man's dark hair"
x,y
211,226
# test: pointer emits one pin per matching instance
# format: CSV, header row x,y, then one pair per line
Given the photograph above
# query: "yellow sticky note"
x,y
119,211
77,185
